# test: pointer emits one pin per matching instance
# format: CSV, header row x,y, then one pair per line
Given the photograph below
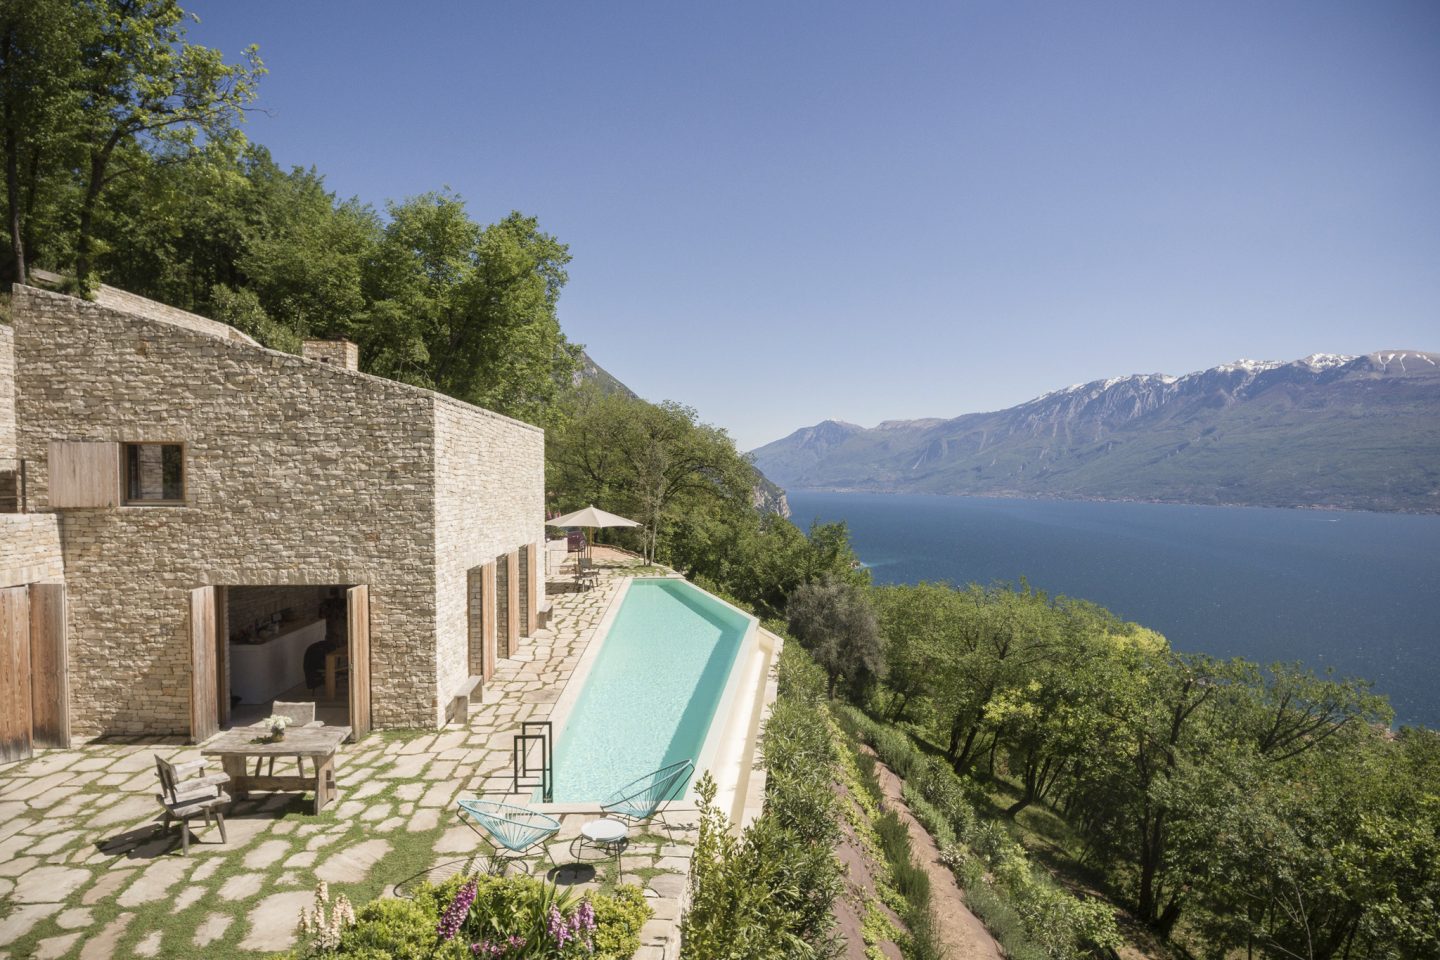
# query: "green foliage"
x,y
619,919
503,906
1030,912
654,462
767,893
1194,786
123,159
118,88
468,310
835,622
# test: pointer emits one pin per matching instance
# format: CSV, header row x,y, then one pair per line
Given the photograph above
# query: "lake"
x,y
1355,591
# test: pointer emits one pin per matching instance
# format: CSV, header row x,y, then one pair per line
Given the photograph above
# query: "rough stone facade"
x,y
296,473
7,394
341,353
29,549
481,467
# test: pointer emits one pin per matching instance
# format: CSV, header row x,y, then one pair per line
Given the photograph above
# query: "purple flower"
x,y
558,928
457,911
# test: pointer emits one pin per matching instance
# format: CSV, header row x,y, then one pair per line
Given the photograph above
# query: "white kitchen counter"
x,y
259,672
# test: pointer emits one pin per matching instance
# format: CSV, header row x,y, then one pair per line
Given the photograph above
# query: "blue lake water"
x,y
1359,592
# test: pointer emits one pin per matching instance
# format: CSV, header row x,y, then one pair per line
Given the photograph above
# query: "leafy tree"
x,y
39,107
835,622
654,462
147,92
920,628
469,310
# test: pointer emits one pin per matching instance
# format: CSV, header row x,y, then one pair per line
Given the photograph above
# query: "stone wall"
x,y
7,395
297,473
136,306
489,500
341,353
29,548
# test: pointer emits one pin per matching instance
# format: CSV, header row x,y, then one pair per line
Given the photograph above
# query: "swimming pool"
x,y
651,692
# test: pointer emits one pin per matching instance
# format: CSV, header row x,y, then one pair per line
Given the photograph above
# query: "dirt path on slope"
x,y
962,933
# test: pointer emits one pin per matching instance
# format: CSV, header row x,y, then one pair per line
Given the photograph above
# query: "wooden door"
x,y
204,676
222,655
512,603
480,615
15,724
534,586
49,672
490,636
357,610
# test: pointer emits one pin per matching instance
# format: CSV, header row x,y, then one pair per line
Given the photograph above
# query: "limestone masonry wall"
x,y
7,394
127,302
29,548
296,473
489,500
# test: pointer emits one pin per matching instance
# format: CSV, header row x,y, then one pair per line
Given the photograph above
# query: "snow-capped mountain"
x,y
1325,430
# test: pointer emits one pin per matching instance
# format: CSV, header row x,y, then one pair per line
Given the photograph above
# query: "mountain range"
x,y
1359,432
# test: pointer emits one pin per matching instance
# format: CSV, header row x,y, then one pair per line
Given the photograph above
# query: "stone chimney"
x,y
340,353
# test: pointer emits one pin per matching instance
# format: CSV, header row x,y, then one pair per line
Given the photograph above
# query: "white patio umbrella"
x,y
590,518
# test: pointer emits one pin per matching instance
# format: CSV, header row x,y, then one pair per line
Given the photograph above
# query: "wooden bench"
x,y
459,711
542,615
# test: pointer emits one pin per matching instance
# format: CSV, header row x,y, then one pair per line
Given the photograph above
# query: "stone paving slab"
x,y
84,874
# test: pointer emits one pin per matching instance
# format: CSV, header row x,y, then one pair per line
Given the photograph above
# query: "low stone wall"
x,y
29,548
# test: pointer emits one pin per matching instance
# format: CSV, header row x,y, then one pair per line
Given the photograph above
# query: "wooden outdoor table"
x,y
236,746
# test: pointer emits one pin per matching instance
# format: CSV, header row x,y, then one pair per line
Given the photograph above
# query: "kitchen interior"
x,y
287,643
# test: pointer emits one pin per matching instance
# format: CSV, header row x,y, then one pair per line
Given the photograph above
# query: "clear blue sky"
x,y
782,212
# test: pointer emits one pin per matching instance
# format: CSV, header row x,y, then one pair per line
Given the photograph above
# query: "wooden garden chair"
x,y
186,790
301,714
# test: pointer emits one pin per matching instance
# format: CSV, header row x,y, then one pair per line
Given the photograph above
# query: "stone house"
x,y
193,512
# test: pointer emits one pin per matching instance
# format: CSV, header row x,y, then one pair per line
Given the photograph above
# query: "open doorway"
x,y
288,643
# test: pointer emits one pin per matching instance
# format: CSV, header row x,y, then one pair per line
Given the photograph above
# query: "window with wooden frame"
x,y
154,474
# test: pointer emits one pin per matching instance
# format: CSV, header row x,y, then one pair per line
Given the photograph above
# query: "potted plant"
x,y
277,727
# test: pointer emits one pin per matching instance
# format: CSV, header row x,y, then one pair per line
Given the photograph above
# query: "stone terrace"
x,y
83,875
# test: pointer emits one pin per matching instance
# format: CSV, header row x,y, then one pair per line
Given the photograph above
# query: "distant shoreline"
x,y
1016,495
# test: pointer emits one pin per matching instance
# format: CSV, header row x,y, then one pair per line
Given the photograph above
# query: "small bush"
x,y
498,908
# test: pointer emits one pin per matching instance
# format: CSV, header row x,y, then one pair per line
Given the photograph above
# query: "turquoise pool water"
x,y
651,691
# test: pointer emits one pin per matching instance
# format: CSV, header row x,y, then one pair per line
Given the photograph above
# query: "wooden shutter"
x,y
14,674
535,553
222,655
84,474
488,612
512,602
204,711
357,609
49,674
475,620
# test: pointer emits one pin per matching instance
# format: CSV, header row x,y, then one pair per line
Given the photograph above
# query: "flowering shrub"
x,y
320,931
493,918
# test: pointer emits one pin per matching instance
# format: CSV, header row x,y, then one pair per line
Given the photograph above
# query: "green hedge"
x,y
769,892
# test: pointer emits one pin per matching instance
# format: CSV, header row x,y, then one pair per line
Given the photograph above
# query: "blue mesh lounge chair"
x,y
512,830
646,797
